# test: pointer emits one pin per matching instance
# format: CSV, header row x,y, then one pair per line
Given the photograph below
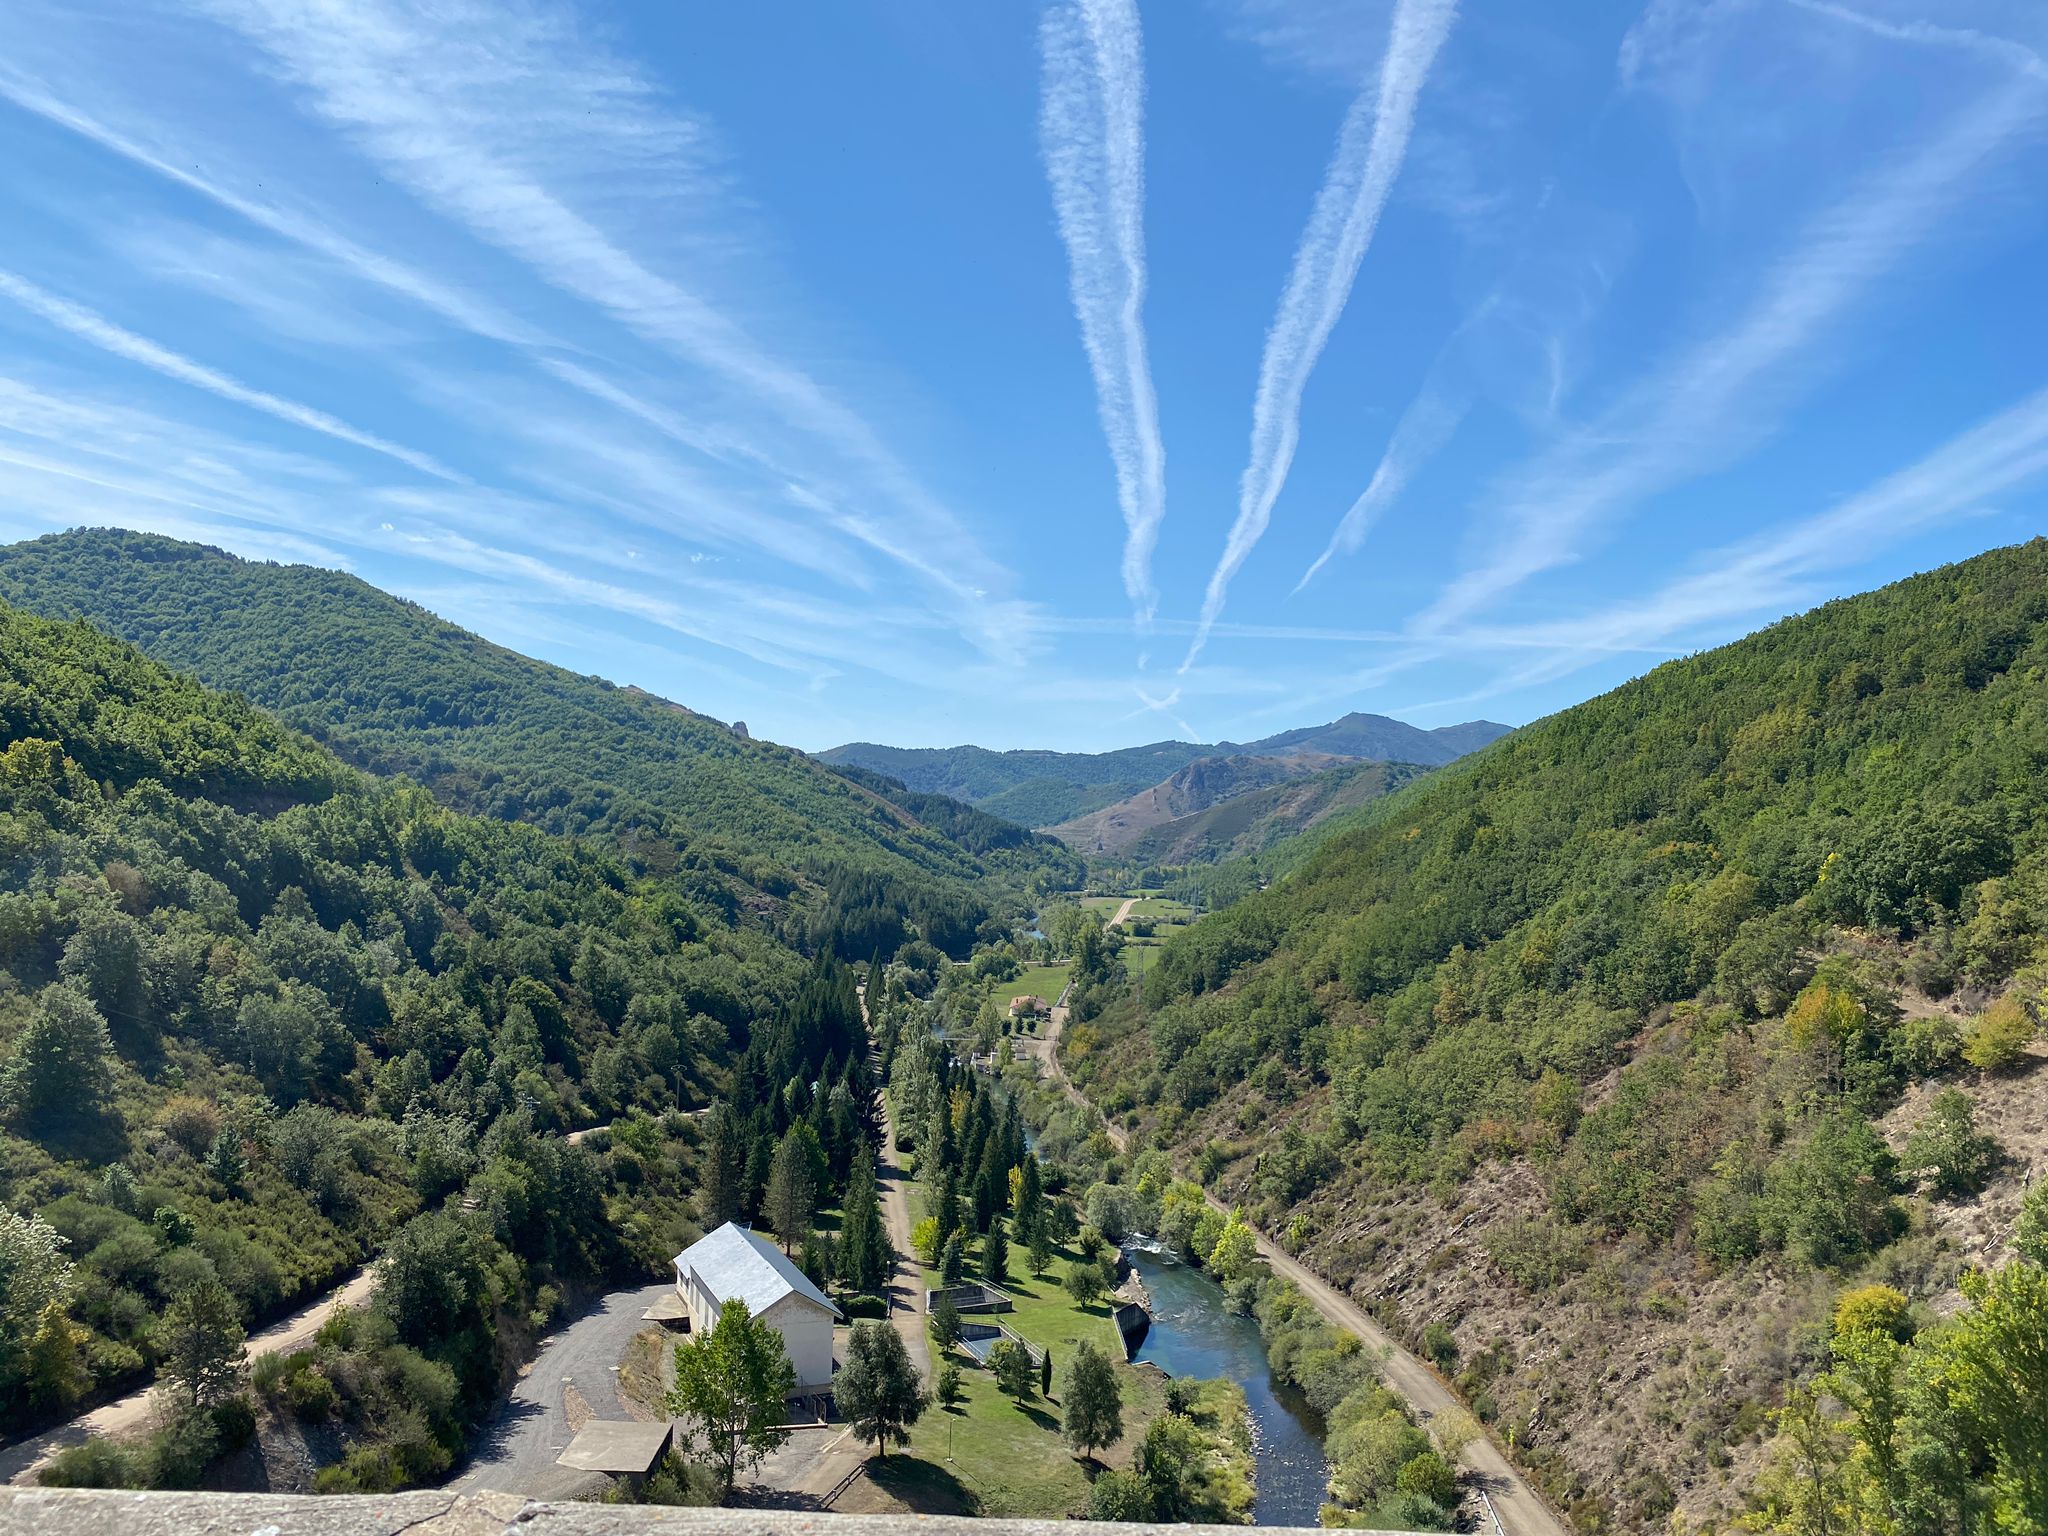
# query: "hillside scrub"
x,y
262,1017
1627,990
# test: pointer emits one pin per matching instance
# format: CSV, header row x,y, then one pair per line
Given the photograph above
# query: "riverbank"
x,y
1195,1334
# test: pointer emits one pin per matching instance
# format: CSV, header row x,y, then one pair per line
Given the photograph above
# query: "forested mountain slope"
x,y
395,690
1574,1057
262,1016
1043,789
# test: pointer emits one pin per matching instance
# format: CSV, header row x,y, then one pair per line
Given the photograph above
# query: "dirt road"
x,y
131,1414
906,1289
1515,1504
1123,912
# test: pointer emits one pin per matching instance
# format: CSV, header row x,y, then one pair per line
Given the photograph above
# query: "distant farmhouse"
x,y
1025,1006
736,1263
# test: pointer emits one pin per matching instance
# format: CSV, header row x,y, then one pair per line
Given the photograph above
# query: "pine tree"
x,y
1041,1250
1045,1373
724,1169
792,1191
864,1253
995,1253
950,1261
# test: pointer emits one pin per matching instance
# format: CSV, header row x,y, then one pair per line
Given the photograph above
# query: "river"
x,y
1195,1334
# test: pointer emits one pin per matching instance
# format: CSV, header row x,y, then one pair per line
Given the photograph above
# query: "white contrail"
x,y
1425,427
103,333
1370,148
1091,130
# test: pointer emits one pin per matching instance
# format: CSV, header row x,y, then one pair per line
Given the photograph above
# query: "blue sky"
x,y
1067,376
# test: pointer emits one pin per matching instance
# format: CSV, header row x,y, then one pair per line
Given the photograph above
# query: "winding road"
x,y
1516,1507
129,1415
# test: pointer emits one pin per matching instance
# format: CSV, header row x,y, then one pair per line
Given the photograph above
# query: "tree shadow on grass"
x,y
924,1486
1039,1417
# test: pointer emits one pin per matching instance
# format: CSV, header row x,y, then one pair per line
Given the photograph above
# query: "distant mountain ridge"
x,y
1045,789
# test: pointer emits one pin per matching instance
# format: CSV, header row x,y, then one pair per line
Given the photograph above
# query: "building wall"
x,y
806,1338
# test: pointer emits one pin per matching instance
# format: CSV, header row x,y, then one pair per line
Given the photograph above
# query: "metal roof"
x,y
736,1262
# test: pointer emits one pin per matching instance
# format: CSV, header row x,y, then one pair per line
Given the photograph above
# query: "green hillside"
x,y
393,689
262,1017
1587,1053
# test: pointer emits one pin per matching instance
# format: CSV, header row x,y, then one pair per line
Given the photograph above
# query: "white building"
x,y
736,1263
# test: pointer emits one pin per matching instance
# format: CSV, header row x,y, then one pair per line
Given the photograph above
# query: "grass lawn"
x,y
1102,903
1160,906
1039,980
1000,1456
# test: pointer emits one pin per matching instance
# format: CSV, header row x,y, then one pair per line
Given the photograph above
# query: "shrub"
x,y
1119,1496
866,1306
97,1463
1947,1145
947,1384
1873,1309
1440,1345
1430,1476
1997,1038
234,1423
311,1395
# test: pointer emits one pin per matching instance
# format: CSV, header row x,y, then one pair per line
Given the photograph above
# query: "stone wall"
x,y
95,1512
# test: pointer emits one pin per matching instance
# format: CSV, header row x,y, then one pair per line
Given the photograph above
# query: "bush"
x,y
1947,1146
1997,1038
1119,1496
866,1306
311,1396
947,1384
180,1452
97,1463
1440,1345
1430,1476
234,1423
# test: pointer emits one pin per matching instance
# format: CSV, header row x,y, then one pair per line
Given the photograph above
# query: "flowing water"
x,y
1195,1334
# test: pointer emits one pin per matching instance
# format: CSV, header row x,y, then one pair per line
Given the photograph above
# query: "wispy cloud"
x,y
2003,50
1091,130
1781,569
500,122
1429,422
103,333
1370,148
299,226
1718,397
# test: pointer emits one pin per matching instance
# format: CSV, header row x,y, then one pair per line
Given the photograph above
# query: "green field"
x,y
1163,908
992,1455
1044,981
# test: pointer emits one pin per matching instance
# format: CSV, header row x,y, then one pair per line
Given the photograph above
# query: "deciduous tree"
x,y
877,1388
730,1389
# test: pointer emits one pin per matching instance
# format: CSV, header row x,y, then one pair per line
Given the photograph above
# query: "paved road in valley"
x,y
516,1452
131,1414
1515,1504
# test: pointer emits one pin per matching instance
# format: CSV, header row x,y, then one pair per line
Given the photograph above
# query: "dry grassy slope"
x,y
1201,784
1644,1368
